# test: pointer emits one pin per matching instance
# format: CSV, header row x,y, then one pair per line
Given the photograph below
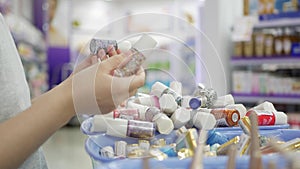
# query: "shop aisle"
x,y
65,149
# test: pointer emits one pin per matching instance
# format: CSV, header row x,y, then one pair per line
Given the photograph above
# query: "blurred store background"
x,y
249,48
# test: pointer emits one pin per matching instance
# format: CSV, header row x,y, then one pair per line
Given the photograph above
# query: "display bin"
x,y
97,140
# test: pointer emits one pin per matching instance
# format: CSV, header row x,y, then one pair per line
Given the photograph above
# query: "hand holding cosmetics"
x,y
137,52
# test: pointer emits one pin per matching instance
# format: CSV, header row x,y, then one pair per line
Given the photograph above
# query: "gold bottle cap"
x,y
245,124
233,117
222,150
157,154
137,153
191,138
185,153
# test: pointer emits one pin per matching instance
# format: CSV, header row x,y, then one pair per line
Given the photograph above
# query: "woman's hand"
x,y
109,91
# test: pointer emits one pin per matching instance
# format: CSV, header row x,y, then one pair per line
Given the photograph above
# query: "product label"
x,y
128,114
140,129
264,118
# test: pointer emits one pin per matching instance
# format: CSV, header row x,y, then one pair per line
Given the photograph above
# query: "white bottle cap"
x,y
180,117
204,121
163,123
167,103
99,123
158,88
185,101
150,100
117,127
142,109
239,107
268,106
145,42
124,45
280,118
176,86
223,101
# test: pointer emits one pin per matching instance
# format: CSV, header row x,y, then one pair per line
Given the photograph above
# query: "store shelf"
x,y
278,23
278,98
255,61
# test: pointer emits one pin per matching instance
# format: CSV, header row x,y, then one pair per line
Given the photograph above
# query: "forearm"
x,y
23,134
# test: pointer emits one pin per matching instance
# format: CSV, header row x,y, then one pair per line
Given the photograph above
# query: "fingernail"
x,y
101,53
110,48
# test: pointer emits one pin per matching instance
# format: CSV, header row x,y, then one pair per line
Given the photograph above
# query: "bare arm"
x,y
23,134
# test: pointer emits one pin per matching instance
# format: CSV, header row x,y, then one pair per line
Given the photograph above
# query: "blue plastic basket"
x,y
99,140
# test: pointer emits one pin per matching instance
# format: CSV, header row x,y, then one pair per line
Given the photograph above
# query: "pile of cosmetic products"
x,y
167,124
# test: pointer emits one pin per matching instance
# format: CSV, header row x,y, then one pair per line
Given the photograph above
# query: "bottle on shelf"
x,y
278,48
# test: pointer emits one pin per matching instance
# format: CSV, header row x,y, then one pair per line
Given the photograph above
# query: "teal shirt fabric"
x,y
14,93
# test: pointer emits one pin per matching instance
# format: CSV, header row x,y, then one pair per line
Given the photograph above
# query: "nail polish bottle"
x,y
159,89
130,128
97,44
167,104
226,117
136,58
209,94
163,123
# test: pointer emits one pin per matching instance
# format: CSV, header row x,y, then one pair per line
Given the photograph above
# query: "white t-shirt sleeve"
x,y
14,93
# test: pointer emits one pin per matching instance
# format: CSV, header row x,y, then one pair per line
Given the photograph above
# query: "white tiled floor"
x,y
65,150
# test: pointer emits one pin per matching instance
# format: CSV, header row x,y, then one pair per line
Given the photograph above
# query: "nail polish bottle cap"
x,y
280,118
195,103
204,121
158,88
239,107
176,86
180,117
163,123
142,109
149,101
117,127
99,123
145,42
268,106
167,103
223,101
185,102
124,45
